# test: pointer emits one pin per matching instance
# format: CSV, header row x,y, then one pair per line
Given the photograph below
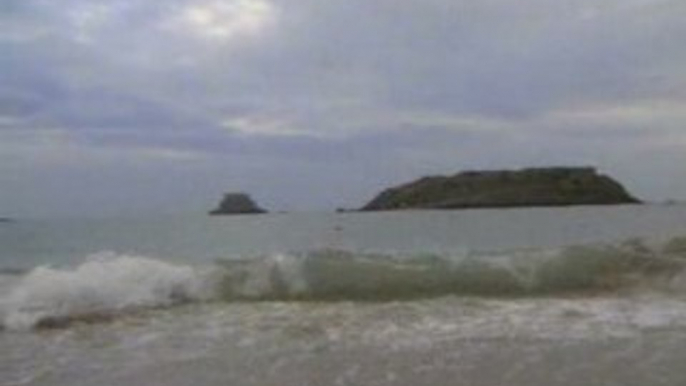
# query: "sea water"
x,y
549,296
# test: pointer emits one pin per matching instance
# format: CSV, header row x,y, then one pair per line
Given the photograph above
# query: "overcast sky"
x,y
130,106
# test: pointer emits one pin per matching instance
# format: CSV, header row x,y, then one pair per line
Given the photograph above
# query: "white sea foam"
x,y
106,283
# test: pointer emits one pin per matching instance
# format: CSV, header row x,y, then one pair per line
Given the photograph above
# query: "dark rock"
x,y
555,186
237,203
6,220
62,322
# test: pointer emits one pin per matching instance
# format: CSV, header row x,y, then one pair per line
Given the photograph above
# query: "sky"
x,y
161,106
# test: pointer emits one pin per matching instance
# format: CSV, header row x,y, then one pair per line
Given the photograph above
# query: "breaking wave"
x,y
105,285
108,284
343,275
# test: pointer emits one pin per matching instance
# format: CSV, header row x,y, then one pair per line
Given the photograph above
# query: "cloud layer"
x,y
106,106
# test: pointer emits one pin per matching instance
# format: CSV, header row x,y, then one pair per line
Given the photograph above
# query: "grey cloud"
x,y
492,58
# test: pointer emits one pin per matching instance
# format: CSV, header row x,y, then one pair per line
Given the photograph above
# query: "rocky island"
x,y
237,203
553,186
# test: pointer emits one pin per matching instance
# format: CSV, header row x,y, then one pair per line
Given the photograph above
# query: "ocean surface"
x,y
549,296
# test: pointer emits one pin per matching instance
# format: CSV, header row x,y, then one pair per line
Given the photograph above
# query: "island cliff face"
x,y
555,186
237,203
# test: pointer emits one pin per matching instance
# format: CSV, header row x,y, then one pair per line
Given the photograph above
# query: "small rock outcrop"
x,y
554,186
237,203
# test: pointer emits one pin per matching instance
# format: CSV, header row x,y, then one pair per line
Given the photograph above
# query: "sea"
x,y
592,295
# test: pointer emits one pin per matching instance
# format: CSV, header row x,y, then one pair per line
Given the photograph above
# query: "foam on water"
x,y
103,285
107,284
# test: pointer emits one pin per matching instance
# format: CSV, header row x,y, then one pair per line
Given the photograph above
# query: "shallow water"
x,y
570,296
447,341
